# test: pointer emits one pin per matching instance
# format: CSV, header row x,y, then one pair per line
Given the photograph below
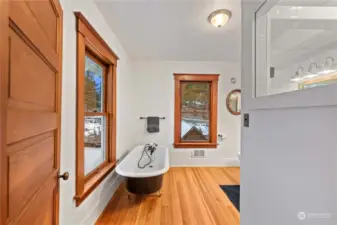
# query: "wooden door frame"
x,y
4,71
4,21
59,101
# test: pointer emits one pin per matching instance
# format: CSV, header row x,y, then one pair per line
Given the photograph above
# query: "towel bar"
x,y
144,118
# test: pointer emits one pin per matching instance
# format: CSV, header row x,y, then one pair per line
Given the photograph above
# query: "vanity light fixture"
x,y
302,76
298,75
312,71
329,67
315,70
220,17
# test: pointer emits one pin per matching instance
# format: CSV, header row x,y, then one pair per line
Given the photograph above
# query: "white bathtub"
x,y
129,166
149,179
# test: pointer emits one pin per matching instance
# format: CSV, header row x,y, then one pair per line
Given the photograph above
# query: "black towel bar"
x,y
144,118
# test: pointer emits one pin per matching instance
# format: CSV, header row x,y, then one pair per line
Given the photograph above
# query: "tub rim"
x,y
148,173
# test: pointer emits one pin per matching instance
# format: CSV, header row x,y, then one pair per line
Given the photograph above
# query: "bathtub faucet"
x,y
148,148
152,148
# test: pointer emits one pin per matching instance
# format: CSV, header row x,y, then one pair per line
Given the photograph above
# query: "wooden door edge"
x,y
4,42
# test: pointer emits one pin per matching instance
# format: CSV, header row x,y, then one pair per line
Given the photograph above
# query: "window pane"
x,y
93,86
296,47
195,110
94,142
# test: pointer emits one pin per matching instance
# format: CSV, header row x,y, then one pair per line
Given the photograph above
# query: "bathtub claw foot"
x,y
129,196
158,194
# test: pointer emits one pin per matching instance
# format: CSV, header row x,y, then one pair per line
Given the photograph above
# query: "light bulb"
x,y
220,20
220,17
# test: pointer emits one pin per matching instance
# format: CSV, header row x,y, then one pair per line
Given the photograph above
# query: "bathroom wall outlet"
x,y
221,137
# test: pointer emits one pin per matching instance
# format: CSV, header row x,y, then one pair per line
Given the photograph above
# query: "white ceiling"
x,y
308,2
174,30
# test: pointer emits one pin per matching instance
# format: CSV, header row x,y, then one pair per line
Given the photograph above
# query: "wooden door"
x,y
30,94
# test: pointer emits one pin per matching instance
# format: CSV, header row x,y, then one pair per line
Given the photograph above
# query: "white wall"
x,y
91,208
288,162
154,96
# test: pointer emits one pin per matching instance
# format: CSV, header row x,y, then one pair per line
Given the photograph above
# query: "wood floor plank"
x,y
222,203
132,213
165,213
112,205
203,181
175,206
122,208
199,205
189,196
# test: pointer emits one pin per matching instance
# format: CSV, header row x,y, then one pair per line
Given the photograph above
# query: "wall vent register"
x,y
198,154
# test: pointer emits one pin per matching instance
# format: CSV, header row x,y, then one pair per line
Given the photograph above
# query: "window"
x,y
96,136
294,49
195,110
96,109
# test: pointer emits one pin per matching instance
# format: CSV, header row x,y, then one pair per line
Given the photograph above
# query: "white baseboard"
x,y
206,162
232,162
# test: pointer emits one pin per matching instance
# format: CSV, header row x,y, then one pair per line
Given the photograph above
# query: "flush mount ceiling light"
x,y
220,17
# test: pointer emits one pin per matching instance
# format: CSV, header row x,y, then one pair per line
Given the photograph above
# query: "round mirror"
x,y
234,102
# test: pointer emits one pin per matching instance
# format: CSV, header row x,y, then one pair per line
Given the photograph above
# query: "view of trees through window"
x,y
93,88
94,121
195,111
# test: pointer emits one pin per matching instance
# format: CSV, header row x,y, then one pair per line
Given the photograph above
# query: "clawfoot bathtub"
x,y
148,180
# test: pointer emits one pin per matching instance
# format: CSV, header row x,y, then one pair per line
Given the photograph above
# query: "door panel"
x,y
22,124
32,112
41,209
47,18
24,22
32,72
28,169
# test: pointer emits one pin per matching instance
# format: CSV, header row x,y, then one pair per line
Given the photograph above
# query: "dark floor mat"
x,y
233,193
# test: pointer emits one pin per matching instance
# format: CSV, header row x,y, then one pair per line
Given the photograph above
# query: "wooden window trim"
x,y
88,40
213,78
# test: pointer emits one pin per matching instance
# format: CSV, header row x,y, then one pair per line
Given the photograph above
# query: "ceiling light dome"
x,y
220,17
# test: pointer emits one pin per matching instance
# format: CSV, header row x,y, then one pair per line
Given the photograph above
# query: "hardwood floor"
x,y
189,196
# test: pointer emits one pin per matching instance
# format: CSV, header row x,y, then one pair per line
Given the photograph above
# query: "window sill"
x,y
93,182
195,145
